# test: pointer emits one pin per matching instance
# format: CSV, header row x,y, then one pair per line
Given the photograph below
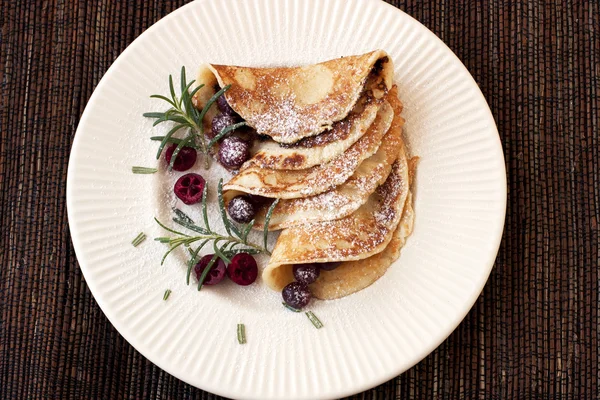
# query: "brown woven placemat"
x,y
533,333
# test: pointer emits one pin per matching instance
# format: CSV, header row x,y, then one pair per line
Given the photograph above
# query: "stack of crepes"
x,y
331,150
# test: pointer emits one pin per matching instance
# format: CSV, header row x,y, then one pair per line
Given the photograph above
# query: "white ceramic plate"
x,y
369,337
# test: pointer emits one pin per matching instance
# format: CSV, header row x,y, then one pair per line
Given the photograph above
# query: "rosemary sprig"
x,y
286,305
185,116
143,170
241,333
225,245
167,294
267,220
313,318
138,239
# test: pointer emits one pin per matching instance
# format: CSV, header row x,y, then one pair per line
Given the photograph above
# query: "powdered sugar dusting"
x,y
353,237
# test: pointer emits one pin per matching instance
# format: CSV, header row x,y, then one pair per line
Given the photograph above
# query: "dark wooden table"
x,y
533,333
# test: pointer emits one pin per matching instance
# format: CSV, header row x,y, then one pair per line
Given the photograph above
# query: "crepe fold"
x,y
347,197
362,234
290,184
289,104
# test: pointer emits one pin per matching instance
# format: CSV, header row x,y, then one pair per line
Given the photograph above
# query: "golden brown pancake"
x,y
356,237
352,276
346,198
292,103
318,179
327,145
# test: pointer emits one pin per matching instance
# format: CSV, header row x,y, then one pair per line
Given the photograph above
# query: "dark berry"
x,y
220,122
242,269
224,106
189,188
233,152
186,158
306,273
216,273
241,209
259,201
296,295
330,266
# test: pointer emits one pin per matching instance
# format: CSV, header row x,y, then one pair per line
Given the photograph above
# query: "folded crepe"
x,y
286,184
346,198
351,276
292,103
319,149
358,236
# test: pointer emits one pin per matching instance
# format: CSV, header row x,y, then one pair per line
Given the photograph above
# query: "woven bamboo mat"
x,y
533,333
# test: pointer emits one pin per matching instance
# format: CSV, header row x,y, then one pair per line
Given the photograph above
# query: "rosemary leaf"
x,y
172,88
206,271
286,305
166,139
212,100
246,231
313,318
173,140
267,220
219,252
184,143
222,207
138,239
194,260
193,92
182,82
233,252
143,170
154,114
191,227
169,229
241,333
162,261
204,207
158,96
187,99
176,118
224,132
167,294
183,216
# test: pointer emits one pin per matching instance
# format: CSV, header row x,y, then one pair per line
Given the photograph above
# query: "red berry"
x,y
233,152
242,269
220,122
330,266
296,294
259,201
189,188
241,209
186,158
217,270
306,273
224,106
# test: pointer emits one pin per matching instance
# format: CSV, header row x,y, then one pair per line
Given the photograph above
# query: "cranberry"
x,y
220,122
242,269
216,273
306,273
241,209
233,152
189,188
296,295
186,158
224,106
259,201
330,266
